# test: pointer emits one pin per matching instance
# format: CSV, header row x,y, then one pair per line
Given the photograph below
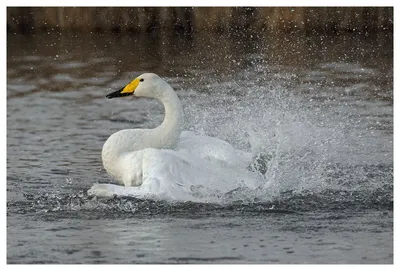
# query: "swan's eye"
x,y
141,80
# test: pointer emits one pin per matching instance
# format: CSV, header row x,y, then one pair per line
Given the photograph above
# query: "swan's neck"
x,y
164,136
170,130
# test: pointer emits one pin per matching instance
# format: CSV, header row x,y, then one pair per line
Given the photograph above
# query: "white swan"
x,y
162,160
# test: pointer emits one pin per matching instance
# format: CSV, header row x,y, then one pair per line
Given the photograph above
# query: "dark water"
x,y
319,107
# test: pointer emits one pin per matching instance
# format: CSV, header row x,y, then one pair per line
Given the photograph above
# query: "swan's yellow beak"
x,y
128,90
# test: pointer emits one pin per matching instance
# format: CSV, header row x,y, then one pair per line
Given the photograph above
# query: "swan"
x,y
165,158
119,154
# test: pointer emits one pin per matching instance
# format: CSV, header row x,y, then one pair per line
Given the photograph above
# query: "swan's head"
x,y
145,85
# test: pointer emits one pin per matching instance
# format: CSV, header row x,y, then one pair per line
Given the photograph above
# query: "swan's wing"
x,y
213,149
179,175
165,174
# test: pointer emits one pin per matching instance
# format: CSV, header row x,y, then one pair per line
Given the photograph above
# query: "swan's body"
x,y
163,159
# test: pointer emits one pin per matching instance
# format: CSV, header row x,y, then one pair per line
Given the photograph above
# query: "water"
x,y
317,109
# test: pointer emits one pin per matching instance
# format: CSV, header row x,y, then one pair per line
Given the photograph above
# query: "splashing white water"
x,y
292,138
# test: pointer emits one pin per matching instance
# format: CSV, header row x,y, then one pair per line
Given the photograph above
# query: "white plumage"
x,y
165,162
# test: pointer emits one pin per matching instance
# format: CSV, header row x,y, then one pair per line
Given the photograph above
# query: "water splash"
x,y
296,140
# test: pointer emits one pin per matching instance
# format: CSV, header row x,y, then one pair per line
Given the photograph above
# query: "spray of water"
x,y
290,152
298,144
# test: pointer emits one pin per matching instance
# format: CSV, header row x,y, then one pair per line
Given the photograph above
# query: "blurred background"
x,y
191,20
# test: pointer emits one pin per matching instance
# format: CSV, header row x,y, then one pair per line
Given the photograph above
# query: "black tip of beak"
x,y
117,94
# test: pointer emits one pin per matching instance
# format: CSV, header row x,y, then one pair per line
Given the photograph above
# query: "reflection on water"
x,y
319,107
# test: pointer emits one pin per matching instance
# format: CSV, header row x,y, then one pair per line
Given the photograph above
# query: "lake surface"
x,y
319,108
